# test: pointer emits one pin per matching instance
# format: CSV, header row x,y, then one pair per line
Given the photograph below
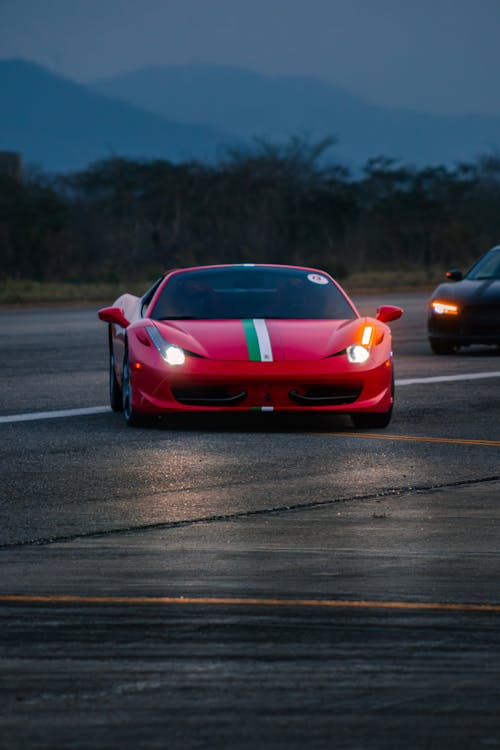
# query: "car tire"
x,y
442,346
374,420
369,420
132,418
115,392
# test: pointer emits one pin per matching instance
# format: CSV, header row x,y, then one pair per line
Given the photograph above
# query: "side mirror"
x,y
113,315
386,313
454,274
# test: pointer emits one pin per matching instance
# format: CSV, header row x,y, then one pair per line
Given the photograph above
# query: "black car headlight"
x,y
440,307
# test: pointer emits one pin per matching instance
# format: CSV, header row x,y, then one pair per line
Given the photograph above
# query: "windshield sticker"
x,y
316,278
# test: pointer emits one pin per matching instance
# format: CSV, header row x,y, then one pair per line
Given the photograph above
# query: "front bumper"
x,y
203,385
473,325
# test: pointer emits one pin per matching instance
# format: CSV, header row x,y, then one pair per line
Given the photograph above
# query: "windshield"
x,y
251,292
488,267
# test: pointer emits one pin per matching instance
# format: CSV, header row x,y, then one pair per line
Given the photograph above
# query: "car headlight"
x,y
357,354
443,308
173,355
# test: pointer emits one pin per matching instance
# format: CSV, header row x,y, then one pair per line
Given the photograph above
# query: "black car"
x,y
466,309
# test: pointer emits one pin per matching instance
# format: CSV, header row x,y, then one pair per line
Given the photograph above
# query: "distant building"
x,y
11,163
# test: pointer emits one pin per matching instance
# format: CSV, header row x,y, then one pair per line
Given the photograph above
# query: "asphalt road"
x,y
270,583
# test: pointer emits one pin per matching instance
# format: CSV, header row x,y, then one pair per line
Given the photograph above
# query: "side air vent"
x,y
208,396
322,396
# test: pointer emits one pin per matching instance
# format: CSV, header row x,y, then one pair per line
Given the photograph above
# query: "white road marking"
x,y
36,416
448,378
33,416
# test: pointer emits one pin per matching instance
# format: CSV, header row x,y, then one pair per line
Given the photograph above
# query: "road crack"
x,y
222,518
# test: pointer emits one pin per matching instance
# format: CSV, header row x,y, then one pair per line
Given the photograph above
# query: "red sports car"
x,y
238,338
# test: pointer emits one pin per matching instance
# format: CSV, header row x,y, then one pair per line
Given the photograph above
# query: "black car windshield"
x,y
488,267
251,292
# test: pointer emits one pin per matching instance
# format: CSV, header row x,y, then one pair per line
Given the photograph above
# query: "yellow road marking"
x,y
253,602
415,438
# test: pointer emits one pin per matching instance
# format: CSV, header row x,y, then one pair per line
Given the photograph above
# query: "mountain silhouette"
x,y
194,112
251,104
61,125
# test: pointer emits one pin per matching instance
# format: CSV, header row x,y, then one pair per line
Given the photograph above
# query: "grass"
x,y
25,292
364,282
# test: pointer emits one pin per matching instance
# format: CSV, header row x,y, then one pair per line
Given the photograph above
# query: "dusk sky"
x,y
440,56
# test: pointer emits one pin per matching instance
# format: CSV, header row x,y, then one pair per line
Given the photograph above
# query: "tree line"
x,y
121,218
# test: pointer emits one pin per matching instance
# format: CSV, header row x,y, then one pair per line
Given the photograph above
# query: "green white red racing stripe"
x,y
258,340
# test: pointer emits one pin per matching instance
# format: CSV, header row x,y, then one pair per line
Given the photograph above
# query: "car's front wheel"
x,y
374,420
442,346
115,392
132,418
367,420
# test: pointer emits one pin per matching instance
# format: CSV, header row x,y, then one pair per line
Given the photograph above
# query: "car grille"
x,y
279,395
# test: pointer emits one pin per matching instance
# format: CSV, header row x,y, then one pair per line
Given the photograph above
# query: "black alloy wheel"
x,y
115,392
132,418
442,346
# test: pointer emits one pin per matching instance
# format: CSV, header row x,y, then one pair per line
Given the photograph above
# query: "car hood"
x,y
470,292
261,340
